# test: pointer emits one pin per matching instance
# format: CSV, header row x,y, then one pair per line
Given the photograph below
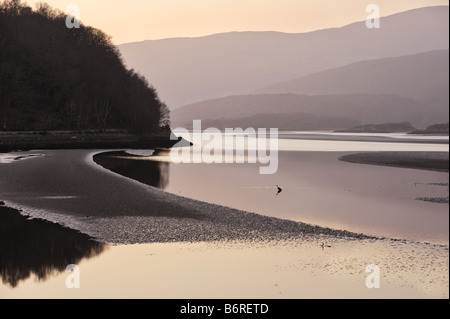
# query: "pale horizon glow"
x,y
139,20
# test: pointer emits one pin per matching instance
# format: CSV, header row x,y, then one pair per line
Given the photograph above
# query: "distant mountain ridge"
x,y
423,77
366,94
338,111
186,70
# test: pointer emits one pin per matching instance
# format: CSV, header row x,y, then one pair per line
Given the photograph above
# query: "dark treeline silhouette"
x,y
57,78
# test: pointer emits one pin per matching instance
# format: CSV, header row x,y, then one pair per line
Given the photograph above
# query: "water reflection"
x,y
153,173
39,247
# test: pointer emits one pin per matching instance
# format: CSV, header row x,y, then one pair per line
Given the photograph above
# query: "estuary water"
x,y
317,187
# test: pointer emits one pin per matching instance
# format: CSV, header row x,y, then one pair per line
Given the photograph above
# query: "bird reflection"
x,y
38,247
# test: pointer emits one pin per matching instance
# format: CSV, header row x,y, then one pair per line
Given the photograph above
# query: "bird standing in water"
x,y
279,189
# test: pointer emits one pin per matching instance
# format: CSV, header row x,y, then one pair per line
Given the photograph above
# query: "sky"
x,y
138,20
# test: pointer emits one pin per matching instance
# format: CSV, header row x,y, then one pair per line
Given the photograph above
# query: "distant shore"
x,y
15,141
434,161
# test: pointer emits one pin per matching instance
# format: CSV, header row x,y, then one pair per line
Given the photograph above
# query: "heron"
x,y
278,189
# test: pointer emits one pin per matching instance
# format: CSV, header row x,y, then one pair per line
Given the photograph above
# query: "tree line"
x,y
58,78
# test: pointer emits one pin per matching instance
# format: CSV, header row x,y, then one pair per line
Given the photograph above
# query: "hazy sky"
x,y
137,20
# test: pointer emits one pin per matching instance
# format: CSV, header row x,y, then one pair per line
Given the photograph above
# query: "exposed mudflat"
x,y
434,161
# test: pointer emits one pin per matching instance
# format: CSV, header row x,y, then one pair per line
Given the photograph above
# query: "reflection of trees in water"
x,y
39,247
153,173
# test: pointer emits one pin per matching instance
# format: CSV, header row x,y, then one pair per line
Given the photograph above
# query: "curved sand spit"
x,y
67,187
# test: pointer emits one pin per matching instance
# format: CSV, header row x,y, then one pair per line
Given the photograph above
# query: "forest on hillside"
x,y
57,78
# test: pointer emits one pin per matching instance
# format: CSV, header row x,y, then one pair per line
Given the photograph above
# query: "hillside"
x,y
423,77
56,78
187,70
330,111
434,129
295,121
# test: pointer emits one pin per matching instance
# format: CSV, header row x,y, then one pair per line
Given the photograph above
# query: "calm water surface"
x,y
317,187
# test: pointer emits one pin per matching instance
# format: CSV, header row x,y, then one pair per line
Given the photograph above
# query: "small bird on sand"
x,y
323,246
278,189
